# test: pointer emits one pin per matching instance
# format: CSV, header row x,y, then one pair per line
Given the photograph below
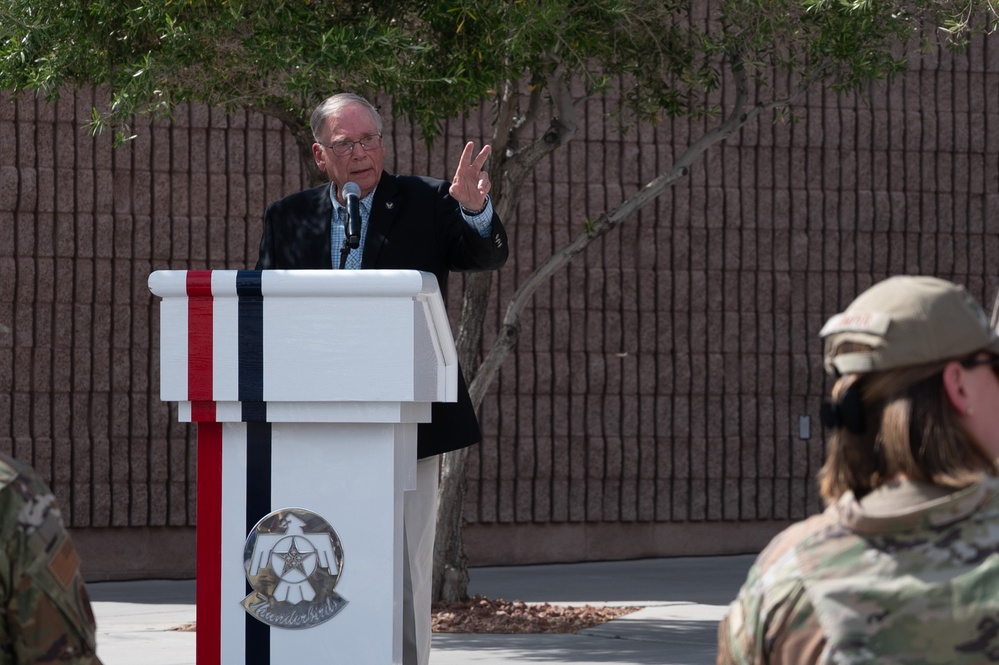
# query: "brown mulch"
x,y
485,615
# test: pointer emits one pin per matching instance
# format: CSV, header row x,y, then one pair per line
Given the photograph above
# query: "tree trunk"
x,y
450,563
299,128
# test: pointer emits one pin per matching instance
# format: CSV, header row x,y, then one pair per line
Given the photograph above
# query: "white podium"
x,y
307,387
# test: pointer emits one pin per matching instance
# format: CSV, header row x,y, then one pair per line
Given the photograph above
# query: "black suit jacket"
x,y
414,225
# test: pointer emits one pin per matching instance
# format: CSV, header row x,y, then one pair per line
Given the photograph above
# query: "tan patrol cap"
x,y
907,321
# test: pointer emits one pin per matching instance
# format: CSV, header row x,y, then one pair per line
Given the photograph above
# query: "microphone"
x,y
352,227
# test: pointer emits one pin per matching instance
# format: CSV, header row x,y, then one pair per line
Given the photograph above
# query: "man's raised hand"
x,y
470,184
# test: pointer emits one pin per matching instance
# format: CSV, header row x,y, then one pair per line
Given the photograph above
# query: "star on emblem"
x,y
294,559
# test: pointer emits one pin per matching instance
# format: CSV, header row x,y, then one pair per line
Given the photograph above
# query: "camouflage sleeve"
x,y
765,624
771,620
726,655
47,616
742,633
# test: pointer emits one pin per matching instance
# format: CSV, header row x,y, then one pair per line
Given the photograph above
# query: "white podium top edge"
x,y
300,283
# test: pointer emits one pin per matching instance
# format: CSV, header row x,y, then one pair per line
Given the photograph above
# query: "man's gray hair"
x,y
332,105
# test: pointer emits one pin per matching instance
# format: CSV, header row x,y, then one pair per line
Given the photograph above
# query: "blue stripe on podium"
x,y
257,645
251,346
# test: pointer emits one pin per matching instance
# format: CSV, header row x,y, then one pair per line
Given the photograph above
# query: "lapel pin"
x,y
389,205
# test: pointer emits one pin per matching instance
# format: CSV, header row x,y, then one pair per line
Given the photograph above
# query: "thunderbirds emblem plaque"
x,y
293,559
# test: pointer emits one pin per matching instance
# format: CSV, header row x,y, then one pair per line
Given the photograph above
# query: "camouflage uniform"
x,y
45,614
914,579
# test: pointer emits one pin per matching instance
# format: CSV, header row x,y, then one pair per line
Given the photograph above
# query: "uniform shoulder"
x,y
794,537
7,473
10,470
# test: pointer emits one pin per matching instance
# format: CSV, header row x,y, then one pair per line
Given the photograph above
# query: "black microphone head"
x,y
352,224
351,189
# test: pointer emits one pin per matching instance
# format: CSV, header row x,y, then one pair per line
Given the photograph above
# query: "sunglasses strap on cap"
x,y
847,413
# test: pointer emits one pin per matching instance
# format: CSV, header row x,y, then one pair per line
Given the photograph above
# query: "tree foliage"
x,y
438,59
531,62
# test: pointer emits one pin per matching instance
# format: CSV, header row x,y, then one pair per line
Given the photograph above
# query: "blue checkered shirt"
x,y
482,223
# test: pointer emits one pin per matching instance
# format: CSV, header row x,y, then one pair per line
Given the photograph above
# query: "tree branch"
x,y
509,332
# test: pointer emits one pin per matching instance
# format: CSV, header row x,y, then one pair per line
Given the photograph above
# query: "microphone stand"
x,y
344,251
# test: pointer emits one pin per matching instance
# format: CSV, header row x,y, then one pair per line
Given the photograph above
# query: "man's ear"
x,y
319,156
954,383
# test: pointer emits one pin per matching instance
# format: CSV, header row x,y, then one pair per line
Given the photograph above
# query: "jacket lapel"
x,y
325,213
384,210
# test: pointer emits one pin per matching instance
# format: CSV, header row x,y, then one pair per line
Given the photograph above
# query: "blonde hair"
x,y
910,429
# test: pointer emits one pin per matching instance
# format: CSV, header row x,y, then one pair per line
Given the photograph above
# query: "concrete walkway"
x,y
682,600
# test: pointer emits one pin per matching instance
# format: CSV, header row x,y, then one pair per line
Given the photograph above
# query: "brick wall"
x,y
654,405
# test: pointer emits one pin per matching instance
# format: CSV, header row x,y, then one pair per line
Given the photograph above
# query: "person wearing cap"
x,y
903,564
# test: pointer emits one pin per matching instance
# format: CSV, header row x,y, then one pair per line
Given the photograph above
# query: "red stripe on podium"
x,y
200,354
200,344
203,411
209,545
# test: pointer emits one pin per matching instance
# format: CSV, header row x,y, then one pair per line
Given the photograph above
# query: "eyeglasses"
x,y
976,361
344,148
